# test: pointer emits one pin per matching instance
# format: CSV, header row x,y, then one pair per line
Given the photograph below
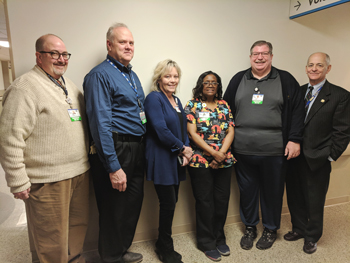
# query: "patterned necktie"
x,y
308,97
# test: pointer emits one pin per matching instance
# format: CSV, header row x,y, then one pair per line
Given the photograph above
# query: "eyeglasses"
x,y
264,54
214,84
57,55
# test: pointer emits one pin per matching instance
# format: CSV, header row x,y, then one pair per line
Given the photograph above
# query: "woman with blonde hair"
x,y
167,150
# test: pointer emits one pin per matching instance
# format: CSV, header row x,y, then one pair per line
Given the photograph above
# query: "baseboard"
x,y
152,234
337,200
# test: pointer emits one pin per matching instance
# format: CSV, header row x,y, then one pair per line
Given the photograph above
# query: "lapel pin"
x,y
322,100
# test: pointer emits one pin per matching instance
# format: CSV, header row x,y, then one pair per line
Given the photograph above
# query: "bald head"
x,y
40,42
326,57
46,44
317,67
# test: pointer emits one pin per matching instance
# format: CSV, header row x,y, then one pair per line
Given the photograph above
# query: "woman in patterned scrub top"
x,y
210,129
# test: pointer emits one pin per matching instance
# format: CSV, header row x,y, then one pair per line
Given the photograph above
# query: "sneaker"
x,y
223,250
267,239
214,255
248,237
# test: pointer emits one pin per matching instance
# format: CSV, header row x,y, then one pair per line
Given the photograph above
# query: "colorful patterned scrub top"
x,y
211,126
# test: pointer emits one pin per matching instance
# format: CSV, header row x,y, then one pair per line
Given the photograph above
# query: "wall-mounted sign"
x,y
303,7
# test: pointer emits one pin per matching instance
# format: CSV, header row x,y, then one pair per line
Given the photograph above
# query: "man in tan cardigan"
x,y
43,150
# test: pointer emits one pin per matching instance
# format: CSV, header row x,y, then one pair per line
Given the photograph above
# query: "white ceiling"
x,y
4,52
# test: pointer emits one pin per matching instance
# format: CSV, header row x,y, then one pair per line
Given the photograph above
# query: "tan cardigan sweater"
x,y
38,141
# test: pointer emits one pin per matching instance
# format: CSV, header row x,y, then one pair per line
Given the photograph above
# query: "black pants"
x,y
261,176
211,189
168,196
118,211
306,195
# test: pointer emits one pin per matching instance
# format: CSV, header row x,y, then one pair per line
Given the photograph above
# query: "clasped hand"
x,y
187,155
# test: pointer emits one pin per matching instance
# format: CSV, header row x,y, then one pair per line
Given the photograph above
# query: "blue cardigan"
x,y
163,140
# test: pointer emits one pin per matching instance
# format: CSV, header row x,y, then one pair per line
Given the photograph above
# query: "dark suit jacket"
x,y
327,126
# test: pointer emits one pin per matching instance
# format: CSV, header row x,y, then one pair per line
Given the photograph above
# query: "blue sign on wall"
x,y
303,7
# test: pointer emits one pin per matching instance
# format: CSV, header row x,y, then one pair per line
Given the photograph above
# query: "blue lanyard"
x,y
134,88
312,98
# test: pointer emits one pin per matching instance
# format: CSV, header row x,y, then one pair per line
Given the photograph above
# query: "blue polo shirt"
x,y
111,105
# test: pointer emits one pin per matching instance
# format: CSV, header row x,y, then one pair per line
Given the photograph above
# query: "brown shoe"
x,y
292,236
310,247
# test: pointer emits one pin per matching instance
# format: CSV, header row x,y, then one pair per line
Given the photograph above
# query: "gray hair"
x,y
328,58
110,32
40,42
161,69
261,43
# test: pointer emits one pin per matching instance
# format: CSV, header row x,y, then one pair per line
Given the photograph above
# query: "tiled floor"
x,y
334,247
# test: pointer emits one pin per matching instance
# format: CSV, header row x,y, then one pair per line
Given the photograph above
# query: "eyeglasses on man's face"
x,y
57,55
264,54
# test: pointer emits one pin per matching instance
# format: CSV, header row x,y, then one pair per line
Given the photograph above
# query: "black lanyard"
x,y
68,100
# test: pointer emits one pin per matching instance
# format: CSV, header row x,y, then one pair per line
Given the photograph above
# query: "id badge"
x,y
74,114
143,117
177,109
204,115
258,99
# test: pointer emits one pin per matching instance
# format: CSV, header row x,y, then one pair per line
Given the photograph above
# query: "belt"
x,y
126,138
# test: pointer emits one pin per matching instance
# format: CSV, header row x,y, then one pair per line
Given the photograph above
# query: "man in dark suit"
x,y
326,136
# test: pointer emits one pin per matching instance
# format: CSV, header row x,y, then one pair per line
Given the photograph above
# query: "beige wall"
x,y
200,35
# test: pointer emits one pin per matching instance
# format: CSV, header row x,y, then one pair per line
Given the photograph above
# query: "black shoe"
x,y
177,255
267,239
309,247
292,236
248,237
169,256
131,257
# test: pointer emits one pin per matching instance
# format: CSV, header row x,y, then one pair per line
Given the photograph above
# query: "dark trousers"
x,y
168,196
211,189
261,176
306,196
118,211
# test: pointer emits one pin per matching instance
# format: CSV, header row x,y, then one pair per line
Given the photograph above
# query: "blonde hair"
x,y
161,69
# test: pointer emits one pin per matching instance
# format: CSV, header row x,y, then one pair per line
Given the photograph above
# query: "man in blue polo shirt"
x,y
114,105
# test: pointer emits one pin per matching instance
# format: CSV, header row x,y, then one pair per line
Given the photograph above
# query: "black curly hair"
x,y
198,89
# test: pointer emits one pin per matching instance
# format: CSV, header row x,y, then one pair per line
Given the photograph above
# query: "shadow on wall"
x,y
326,20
